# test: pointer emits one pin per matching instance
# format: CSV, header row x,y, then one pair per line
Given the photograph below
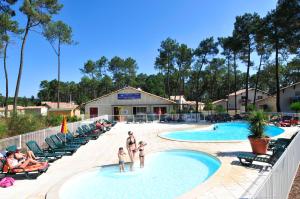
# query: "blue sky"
x,y
125,28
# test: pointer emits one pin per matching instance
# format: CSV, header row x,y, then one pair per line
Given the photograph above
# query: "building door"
x,y
160,110
116,113
93,112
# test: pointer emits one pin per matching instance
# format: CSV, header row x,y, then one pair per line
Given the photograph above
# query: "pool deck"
x,y
231,181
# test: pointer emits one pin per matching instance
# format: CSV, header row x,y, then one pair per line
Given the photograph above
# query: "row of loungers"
x,y
59,145
276,147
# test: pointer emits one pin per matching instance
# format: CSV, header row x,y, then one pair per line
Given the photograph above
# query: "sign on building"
x,y
129,96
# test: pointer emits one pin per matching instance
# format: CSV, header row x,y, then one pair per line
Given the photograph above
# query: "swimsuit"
x,y
121,161
131,142
141,156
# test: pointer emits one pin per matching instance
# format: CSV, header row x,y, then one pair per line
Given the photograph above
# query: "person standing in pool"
x,y
121,156
142,153
131,147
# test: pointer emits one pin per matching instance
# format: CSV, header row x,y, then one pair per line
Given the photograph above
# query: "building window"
x,y
243,97
259,97
139,110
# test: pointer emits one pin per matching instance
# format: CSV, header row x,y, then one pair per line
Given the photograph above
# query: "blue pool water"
x,y
166,175
230,131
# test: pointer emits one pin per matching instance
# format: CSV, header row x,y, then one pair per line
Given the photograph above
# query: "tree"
x,y
205,51
245,28
7,26
89,68
263,51
123,71
227,52
295,106
37,12
5,7
282,25
165,61
184,59
58,33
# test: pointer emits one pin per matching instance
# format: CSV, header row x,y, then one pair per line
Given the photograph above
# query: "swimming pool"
x,y
231,131
166,175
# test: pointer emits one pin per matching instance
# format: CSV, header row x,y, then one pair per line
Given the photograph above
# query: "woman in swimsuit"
x,y
131,147
142,153
13,163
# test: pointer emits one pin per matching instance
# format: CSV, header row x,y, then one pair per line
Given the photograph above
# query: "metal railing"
x,y
278,183
140,118
40,135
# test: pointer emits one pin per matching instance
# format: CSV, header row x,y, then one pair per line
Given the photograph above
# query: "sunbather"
x,y
21,156
13,163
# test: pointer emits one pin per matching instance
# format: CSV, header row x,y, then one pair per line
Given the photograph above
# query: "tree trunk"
x,y
21,66
58,73
228,83
235,100
247,77
277,77
257,79
6,80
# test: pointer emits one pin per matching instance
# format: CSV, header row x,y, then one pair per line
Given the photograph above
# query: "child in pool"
x,y
142,153
121,156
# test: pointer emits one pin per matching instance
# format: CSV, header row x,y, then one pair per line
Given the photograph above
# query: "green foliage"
x,y
219,109
54,120
73,118
3,128
19,124
251,107
208,106
295,106
257,123
58,32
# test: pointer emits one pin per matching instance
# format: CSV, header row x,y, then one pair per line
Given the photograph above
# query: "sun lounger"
x,y
12,148
54,148
247,159
37,168
38,152
68,140
60,144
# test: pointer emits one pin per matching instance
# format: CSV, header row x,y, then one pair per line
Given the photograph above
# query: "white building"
x,y
129,101
186,105
288,95
241,99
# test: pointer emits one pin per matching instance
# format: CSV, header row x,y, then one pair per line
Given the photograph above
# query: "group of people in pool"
x,y
132,149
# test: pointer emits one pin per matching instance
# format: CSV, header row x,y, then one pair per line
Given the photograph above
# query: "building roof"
x,y
273,96
62,105
129,87
217,101
34,107
177,97
239,92
290,85
11,107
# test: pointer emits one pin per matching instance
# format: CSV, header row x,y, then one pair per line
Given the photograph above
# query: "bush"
x,y
3,128
219,109
257,123
19,124
73,118
54,120
295,106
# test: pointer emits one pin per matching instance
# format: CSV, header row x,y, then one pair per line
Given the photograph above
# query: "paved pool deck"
x,y
231,181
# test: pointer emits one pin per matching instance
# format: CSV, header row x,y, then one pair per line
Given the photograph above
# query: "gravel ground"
x,y
295,191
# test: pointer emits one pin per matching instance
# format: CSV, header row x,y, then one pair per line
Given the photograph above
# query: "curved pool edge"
x,y
160,135
53,192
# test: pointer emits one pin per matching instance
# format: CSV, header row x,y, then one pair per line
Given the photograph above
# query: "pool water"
x,y
166,175
231,131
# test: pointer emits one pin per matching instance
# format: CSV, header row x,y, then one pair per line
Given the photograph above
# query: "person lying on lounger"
x,y
13,163
21,156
